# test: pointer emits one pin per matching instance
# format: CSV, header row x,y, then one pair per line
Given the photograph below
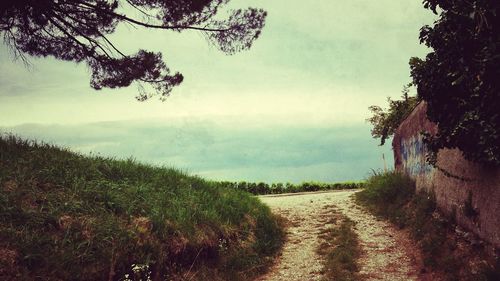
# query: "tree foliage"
x,y
384,122
78,31
460,78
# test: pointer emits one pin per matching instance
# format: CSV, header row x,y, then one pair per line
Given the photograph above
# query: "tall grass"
x,y
392,195
66,216
386,194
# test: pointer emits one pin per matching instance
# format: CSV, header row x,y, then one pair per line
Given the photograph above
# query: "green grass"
x,y
64,216
341,250
262,188
392,196
386,194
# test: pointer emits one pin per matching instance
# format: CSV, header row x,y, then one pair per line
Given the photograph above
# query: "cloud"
x,y
344,54
237,152
290,109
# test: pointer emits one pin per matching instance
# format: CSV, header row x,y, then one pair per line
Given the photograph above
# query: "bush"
x,y
387,193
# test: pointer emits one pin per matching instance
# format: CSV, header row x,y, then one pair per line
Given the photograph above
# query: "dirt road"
x,y
388,254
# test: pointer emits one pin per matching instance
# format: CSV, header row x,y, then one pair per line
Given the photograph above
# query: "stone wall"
x,y
474,203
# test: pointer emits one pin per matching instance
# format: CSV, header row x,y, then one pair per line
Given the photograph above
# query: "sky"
x,y
290,109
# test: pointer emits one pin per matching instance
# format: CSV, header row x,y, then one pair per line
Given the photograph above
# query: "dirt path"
x,y
388,254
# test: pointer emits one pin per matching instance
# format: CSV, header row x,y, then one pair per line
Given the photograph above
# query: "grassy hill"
x,y
64,216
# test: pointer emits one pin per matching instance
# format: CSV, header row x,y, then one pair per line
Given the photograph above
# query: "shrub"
x,y
387,193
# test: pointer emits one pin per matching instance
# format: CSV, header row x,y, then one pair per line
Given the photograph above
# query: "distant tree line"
x,y
262,188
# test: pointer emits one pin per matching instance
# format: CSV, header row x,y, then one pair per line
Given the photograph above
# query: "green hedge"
x,y
262,188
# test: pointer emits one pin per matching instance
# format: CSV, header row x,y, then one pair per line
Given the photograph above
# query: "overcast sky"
x,y
292,108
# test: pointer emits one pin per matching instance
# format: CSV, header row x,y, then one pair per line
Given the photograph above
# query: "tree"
x,y
460,78
385,123
78,30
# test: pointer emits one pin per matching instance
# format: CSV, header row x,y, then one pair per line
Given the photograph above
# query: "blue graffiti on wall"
x,y
413,153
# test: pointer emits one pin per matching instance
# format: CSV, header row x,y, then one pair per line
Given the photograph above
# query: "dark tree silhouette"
x,y
460,78
78,30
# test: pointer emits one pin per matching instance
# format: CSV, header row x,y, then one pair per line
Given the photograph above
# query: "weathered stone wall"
x,y
474,203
